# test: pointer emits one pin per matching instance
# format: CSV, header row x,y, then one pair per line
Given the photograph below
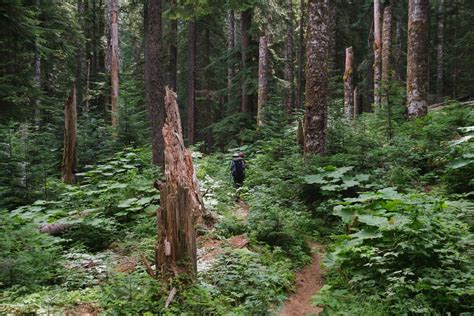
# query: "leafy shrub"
x,y
95,234
458,175
247,283
407,252
132,294
230,226
27,257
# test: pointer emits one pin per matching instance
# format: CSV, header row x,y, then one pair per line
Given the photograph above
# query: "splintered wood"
x,y
181,204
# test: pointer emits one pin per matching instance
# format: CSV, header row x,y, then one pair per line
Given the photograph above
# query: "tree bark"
x,y
70,131
355,99
289,59
180,202
386,52
114,53
154,79
301,59
397,53
246,20
191,80
173,52
262,80
37,78
440,52
230,49
348,85
417,67
377,54
332,30
316,78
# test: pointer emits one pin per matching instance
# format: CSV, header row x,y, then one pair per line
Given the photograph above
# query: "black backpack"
x,y
237,167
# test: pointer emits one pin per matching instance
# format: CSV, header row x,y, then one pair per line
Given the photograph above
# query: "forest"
x,y
237,157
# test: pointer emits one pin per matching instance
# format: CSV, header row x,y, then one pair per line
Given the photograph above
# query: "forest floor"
x,y
309,281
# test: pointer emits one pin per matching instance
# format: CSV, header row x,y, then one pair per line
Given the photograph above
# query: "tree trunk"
x,y
230,49
369,87
332,30
80,56
316,78
417,55
69,154
113,58
355,99
301,59
180,203
289,59
397,53
377,54
173,52
191,79
348,86
246,20
37,79
86,92
386,52
440,52
154,79
262,79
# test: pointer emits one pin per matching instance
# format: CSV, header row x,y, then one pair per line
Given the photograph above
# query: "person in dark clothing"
x,y
237,169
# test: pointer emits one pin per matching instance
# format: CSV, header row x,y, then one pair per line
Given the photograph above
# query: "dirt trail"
x,y
309,281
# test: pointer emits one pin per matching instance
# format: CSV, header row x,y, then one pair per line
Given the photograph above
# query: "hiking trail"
x,y
309,281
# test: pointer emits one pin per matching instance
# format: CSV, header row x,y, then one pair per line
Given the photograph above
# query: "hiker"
x,y
237,169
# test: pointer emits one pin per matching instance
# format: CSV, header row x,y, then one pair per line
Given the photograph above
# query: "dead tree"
x,y
113,57
386,53
348,86
377,54
70,125
181,204
262,80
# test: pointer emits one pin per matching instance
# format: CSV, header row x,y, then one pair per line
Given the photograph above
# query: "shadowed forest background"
x,y
357,124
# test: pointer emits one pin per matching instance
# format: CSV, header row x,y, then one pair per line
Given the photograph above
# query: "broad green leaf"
x,y
315,179
372,220
127,203
459,163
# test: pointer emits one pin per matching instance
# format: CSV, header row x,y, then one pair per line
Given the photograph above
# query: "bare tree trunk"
x,y
173,52
332,30
377,54
289,59
69,154
440,51
86,92
301,59
348,85
37,80
262,79
154,79
317,94
80,57
355,97
113,57
369,88
397,53
230,49
246,20
417,67
386,53
180,203
191,79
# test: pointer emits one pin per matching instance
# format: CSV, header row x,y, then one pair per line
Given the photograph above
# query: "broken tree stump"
x,y
181,204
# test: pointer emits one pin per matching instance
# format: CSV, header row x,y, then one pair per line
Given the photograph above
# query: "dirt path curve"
x,y
309,281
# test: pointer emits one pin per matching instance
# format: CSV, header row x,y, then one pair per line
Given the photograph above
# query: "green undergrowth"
x,y
395,215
